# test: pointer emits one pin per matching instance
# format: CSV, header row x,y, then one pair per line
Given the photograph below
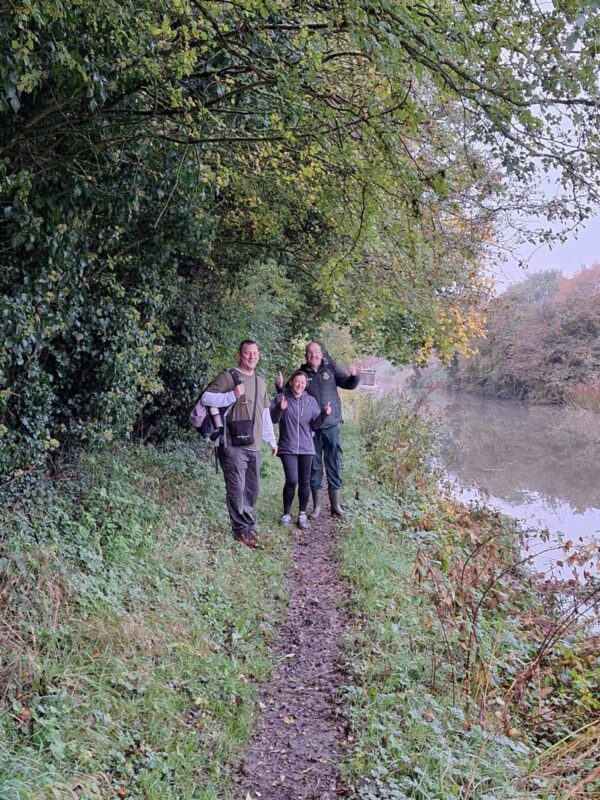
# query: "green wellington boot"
x,y
317,494
334,501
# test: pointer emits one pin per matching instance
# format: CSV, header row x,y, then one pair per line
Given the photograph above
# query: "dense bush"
x,y
400,438
114,305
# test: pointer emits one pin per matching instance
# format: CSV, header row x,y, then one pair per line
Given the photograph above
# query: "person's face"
x,y
314,356
298,384
248,357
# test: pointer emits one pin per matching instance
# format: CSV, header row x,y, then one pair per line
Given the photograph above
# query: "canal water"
x,y
539,464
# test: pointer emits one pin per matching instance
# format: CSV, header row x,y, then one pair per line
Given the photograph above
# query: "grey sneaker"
x,y
302,521
286,519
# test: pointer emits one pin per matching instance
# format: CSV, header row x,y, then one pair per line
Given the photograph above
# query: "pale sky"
x,y
580,250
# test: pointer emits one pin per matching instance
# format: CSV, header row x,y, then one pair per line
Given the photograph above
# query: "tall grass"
x,y
585,396
134,630
464,675
135,634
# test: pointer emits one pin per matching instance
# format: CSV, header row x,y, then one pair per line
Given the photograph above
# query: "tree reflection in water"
x,y
521,453
539,464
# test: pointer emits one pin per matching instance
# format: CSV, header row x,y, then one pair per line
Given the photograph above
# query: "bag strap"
x,y
255,398
237,381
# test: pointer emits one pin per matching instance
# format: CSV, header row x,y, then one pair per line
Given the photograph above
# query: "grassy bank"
x,y
134,631
467,680
135,635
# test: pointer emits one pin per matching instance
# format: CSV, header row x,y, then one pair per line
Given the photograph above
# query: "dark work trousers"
x,y
328,448
241,469
297,470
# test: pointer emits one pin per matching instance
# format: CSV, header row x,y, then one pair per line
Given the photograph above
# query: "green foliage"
x,y
399,441
338,342
532,289
161,160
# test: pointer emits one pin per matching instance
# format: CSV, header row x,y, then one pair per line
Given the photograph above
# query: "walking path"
x,y
300,739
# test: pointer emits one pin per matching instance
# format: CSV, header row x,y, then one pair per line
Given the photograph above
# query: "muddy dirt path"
x,y
300,740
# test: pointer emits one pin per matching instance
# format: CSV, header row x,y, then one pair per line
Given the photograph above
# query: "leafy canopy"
x,y
175,173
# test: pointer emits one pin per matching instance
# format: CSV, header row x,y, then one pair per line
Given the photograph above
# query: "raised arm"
x,y
277,407
346,380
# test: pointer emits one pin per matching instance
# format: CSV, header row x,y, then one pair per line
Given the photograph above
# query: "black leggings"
x,y
297,471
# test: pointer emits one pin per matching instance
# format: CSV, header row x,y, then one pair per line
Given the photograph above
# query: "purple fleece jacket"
x,y
297,422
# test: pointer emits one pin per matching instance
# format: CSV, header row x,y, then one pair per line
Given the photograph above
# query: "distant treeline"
x,y
542,342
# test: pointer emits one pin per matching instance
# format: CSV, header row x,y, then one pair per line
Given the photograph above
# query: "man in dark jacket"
x,y
323,379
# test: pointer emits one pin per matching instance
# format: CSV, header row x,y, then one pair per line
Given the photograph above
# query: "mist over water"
x,y
537,463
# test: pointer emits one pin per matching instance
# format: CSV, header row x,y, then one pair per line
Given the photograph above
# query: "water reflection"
x,y
536,463
524,455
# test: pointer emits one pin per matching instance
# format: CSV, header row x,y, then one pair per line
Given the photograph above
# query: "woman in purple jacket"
x,y
298,415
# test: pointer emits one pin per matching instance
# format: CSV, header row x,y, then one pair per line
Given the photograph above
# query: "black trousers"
x,y
328,446
297,473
